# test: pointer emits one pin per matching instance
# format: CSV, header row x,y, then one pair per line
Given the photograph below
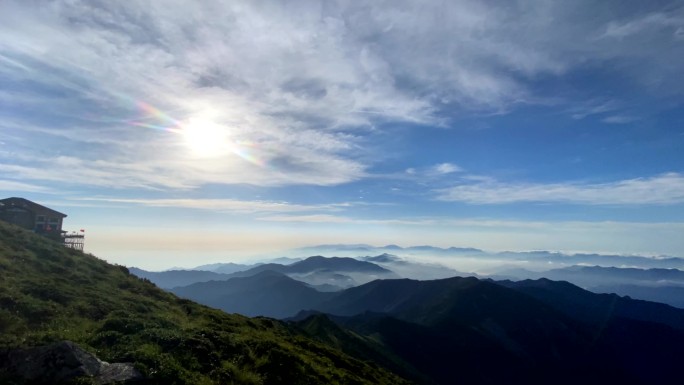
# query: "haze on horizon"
x,y
180,133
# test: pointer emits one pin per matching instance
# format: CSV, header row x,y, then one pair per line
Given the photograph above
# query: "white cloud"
x,y
662,189
110,174
445,168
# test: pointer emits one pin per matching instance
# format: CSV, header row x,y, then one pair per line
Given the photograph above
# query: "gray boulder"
x,y
62,362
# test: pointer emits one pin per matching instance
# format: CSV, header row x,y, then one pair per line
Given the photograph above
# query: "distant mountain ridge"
x,y
266,293
335,272
334,263
410,268
172,278
364,248
224,268
660,285
622,274
559,258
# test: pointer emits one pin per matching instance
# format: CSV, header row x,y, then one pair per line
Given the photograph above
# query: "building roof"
x,y
22,202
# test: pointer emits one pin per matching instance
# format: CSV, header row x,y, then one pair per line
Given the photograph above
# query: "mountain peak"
x,y
342,264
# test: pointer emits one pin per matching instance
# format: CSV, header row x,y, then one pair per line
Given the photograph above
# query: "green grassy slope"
x,y
50,293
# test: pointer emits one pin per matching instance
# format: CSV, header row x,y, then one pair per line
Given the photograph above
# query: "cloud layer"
x,y
662,189
298,89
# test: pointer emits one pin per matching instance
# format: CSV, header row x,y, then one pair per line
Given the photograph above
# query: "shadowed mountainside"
x,y
596,308
479,332
267,293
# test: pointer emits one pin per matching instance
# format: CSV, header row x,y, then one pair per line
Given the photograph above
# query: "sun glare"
x,y
205,138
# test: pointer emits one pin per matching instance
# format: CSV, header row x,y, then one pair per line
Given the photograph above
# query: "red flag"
x,y
83,231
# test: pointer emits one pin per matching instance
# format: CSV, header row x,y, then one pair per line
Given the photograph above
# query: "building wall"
x,y
46,221
18,216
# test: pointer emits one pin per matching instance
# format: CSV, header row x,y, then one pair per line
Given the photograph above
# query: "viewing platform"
x,y
74,240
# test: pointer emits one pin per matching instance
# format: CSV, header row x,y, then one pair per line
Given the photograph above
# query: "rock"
x,y
61,362
119,372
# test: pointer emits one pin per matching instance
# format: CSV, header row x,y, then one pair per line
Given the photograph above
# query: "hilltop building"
x,y
39,219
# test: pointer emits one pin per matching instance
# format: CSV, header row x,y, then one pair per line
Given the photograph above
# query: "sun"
x,y
205,138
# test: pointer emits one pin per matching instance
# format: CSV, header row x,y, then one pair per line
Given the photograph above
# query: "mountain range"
x,y
327,274
531,332
444,331
418,328
538,258
407,268
49,293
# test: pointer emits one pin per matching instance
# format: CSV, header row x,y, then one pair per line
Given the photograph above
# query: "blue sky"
x,y
181,133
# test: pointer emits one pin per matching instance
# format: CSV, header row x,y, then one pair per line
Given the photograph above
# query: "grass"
x,y
50,293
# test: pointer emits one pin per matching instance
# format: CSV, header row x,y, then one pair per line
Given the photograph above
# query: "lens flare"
x,y
203,137
206,139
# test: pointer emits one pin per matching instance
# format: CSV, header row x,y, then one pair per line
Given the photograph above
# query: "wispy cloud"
x,y
655,21
436,170
222,205
477,225
314,218
18,187
619,119
594,107
327,218
661,189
